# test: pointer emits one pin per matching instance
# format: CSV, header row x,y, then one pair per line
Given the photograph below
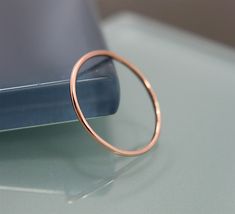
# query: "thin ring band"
x,y
82,118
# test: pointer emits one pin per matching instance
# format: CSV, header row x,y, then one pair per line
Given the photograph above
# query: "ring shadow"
x,y
53,159
61,159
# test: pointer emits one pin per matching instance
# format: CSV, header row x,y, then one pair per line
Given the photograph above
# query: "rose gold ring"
x,y
83,120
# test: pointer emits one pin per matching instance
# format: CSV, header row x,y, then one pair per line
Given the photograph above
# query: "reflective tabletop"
x,y
60,169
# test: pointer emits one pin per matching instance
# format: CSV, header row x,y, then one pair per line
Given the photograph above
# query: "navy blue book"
x,y
40,41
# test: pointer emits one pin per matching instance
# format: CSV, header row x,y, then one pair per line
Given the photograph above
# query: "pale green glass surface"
x,y
192,170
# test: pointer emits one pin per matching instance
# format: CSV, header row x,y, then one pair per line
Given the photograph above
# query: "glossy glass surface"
x,y
40,41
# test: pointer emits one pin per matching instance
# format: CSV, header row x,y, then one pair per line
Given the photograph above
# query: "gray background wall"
x,y
210,18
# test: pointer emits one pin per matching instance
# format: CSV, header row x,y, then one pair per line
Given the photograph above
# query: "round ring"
x,y
82,118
